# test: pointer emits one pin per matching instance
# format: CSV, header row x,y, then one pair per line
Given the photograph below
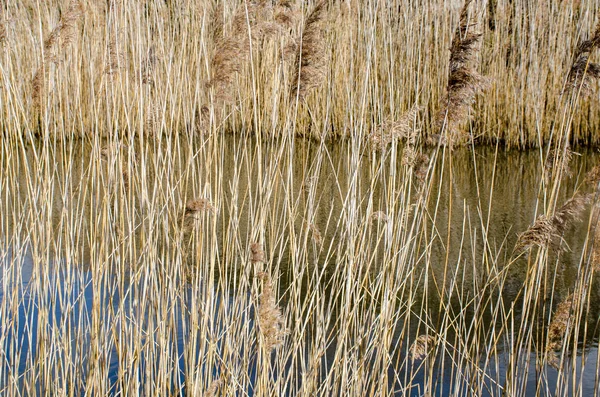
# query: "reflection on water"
x,y
311,201
77,299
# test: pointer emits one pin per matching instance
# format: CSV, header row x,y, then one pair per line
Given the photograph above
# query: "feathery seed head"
x,y
194,207
257,254
548,231
270,319
422,346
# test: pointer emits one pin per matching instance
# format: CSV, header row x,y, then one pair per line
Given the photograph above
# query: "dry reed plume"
x,y
593,176
390,130
202,120
558,327
548,231
148,66
152,120
379,216
596,249
285,14
257,254
59,39
213,389
420,166
317,238
194,211
404,128
115,58
558,163
583,72
311,57
464,82
3,32
421,346
193,208
271,321
230,55
251,22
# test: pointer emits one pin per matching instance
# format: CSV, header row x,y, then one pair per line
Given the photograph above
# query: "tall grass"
x,y
145,252
107,68
233,266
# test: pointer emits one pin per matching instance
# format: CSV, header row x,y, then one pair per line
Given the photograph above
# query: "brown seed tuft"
x,y
257,254
596,250
316,234
583,72
194,207
213,388
270,319
115,55
421,347
64,32
379,216
558,327
233,50
202,120
555,162
421,167
3,33
548,231
403,128
311,57
464,82
148,66
593,175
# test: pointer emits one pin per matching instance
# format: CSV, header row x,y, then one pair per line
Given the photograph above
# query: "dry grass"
x,y
164,231
548,231
464,81
271,321
246,62
311,55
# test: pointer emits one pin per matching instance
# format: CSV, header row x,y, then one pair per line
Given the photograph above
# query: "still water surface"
x,y
500,190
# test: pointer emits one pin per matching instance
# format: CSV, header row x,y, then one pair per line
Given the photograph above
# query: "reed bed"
x,y
168,229
320,69
228,266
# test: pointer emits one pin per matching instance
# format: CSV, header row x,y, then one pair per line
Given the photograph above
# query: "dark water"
x,y
496,193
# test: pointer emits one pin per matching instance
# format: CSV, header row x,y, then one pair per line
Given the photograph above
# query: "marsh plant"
x,y
286,198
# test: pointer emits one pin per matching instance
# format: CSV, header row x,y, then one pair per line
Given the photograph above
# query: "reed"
x,y
255,58
464,82
311,56
270,319
170,227
58,40
548,231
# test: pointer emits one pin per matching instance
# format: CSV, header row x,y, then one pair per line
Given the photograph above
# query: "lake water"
x,y
55,282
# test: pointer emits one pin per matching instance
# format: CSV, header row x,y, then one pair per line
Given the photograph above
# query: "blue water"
x,y
73,297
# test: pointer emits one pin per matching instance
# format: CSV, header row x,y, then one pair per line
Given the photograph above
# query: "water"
x,y
55,284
